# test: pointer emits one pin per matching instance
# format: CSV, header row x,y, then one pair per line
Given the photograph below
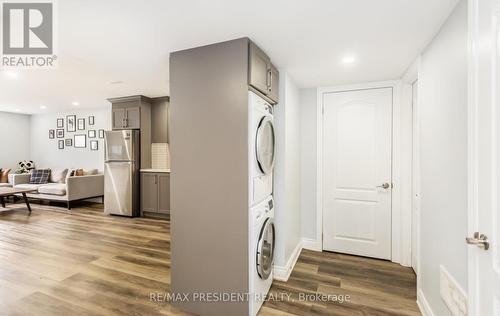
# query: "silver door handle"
x,y
384,186
479,240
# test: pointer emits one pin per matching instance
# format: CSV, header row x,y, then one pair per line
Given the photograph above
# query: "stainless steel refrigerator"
x,y
121,169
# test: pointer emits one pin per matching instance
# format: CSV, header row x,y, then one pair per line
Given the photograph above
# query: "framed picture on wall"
x,y
80,141
60,133
71,123
91,120
101,133
94,145
81,124
68,142
61,144
60,123
91,133
52,134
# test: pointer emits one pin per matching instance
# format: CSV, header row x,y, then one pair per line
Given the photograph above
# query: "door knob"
x,y
384,186
479,240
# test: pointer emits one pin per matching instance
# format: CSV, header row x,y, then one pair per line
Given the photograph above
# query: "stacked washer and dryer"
x,y
261,208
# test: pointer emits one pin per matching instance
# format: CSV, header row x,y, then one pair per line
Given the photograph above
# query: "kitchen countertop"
x,y
156,170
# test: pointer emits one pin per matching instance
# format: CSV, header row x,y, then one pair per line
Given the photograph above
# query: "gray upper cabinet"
x,y
119,117
126,117
274,84
133,118
259,64
159,120
262,75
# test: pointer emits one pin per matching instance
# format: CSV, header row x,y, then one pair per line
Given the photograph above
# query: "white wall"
x,y
308,162
442,110
287,172
45,152
14,139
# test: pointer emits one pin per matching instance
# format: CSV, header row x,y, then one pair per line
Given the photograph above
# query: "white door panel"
x,y
484,157
357,159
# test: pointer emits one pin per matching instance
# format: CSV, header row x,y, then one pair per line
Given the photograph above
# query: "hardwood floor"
x,y
81,262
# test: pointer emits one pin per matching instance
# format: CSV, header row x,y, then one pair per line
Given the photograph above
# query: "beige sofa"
x,y
76,188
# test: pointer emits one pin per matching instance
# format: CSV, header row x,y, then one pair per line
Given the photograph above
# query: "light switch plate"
x,y
452,293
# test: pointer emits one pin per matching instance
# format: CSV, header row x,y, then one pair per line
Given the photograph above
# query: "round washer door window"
x,y
265,145
265,249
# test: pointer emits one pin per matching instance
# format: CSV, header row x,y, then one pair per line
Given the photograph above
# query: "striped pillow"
x,y
39,176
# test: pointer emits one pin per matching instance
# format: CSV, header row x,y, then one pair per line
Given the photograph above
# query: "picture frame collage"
x,y
82,136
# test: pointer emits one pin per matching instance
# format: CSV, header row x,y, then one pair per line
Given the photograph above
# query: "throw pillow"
x,y
90,172
58,175
4,175
39,176
78,172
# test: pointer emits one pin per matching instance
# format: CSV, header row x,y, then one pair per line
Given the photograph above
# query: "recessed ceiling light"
x,y
75,103
348,60
17,110
116,82
43,107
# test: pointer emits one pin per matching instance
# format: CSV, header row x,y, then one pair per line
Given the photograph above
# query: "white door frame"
x,y
401,213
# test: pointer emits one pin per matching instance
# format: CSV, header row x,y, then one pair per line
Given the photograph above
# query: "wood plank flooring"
x,y
81,262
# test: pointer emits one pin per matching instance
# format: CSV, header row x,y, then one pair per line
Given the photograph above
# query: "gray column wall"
x,y
209,179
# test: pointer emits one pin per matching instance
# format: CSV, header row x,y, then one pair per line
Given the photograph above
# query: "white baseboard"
x,y
422,303
311,244
282,273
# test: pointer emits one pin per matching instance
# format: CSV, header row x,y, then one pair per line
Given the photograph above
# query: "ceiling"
x,y
115,48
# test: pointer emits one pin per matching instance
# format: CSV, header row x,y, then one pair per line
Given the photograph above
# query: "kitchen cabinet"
x,y
155,192
274,85
263,76
159,120
126,117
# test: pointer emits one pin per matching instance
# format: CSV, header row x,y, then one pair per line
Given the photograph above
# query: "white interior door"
x,y
357,127
484,159
415,203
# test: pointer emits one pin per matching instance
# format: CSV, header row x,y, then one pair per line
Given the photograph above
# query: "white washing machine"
x,y
262,240
261,147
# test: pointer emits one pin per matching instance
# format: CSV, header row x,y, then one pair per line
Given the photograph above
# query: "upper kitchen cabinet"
x,y
262,75
131,112
159,120
134,112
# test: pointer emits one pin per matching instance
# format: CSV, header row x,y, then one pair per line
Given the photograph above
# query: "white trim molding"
x,y
423,304
282,273
401,224
311,244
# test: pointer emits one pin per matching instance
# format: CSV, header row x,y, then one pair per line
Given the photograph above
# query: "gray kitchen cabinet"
x,y
119,117
259,64
274,85
155,192
159,120
262,75
133,120
149,192
164,193
126,118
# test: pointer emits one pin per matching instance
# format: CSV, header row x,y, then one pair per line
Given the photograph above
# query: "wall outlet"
x,y
452,293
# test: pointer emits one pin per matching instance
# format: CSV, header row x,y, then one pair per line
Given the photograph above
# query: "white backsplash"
x,y
160,155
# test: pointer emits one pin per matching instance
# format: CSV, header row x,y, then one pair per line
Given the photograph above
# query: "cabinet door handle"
x,y
270,80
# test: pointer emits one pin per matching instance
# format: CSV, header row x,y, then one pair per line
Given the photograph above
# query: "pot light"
x,y
75,103
43,107
346,60
17,110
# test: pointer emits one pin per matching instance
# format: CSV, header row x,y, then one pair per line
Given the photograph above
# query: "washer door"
x,y
265,145
265,249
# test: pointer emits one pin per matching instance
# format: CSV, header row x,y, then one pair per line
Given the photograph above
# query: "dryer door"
x,y
265,145
265,249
